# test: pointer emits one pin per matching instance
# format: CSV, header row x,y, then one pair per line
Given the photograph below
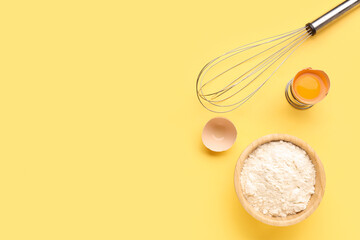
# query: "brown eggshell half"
x,y
219,134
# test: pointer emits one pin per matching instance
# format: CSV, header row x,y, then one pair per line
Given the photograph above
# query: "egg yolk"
x,y
308,86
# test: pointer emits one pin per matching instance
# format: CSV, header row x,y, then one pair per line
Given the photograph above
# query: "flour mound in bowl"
x,y
278,179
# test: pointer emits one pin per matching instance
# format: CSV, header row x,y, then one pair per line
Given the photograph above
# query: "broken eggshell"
x,y
219,134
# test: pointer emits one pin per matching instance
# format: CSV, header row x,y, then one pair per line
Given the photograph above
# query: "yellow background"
x,y
100,125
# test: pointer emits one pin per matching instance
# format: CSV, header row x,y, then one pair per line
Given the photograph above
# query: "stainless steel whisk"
x,y
228,81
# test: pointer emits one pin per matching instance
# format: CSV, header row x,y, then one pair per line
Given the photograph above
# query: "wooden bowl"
x,y
315,198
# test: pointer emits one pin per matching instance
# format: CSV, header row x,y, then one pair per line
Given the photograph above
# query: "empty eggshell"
x,y
219,134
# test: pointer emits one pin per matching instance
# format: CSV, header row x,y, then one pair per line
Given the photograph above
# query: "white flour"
x,y
278,179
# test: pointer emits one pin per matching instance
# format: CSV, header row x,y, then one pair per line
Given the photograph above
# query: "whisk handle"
x,y
328,17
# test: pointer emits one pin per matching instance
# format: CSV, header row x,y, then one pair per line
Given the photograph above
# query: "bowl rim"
x,y
320,181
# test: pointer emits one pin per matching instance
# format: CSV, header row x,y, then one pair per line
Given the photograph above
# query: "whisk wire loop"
x,y
228,96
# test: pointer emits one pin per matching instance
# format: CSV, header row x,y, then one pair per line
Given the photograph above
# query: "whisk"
x,y
228,81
